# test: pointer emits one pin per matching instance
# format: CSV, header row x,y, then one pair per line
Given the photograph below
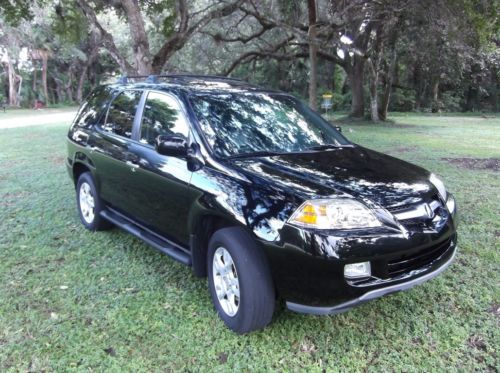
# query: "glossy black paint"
x,y
174,195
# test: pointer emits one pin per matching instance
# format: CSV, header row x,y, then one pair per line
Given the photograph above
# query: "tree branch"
x,y
106,37
176,42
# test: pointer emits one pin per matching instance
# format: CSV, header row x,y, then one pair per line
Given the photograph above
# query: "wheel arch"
x,y
78,169
203,228
82,163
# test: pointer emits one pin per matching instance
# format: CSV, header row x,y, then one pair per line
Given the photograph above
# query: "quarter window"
x,y
93,107
120,119
162,116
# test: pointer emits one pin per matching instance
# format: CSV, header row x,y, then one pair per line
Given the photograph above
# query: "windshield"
x,y
245,123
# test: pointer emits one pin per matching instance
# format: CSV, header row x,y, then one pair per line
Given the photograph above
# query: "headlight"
x,y
436,181
450,204
339,213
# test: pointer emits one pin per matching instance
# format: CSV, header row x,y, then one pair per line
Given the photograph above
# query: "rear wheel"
x,y
240,282
89,204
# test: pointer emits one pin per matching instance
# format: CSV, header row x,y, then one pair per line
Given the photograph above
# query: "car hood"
x,y
353,170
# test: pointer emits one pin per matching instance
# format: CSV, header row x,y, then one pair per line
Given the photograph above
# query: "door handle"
x,y
133,166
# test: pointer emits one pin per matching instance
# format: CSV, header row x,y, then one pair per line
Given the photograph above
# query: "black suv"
x,y
252,188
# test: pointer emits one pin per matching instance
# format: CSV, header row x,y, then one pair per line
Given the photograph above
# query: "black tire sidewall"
x,y
257,298
98,222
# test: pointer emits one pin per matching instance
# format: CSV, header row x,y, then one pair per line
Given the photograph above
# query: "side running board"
x,y
159,243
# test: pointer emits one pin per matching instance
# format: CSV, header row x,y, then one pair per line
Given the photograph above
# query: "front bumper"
x,y
342,307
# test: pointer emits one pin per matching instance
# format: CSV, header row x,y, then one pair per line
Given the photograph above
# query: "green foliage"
x,y
451,101
483,15
168,8
14,11
69,23
402,100
77,300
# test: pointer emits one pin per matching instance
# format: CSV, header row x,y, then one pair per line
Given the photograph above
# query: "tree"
x,y
180,23
9,50
313,54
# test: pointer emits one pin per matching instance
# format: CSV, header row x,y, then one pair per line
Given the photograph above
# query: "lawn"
x,y
11,113
71,299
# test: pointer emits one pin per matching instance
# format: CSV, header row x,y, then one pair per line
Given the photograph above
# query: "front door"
x,y
160,184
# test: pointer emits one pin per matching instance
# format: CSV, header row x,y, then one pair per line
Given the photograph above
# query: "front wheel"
x,y
240,282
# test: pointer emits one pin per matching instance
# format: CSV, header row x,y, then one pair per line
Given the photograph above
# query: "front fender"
x,y
259,207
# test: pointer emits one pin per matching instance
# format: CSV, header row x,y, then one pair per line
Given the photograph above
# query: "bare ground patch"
x,y
11,198
492,164
404,149
56,159
495,309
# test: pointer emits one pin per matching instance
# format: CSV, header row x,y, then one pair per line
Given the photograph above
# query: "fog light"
x,y
357,270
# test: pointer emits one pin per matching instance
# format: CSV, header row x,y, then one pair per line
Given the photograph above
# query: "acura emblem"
x,y
429,211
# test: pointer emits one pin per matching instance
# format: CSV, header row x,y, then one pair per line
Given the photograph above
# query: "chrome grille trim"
x,y
418,212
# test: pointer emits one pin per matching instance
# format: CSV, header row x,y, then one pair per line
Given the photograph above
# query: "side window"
x,y
121,113
162,116
93,107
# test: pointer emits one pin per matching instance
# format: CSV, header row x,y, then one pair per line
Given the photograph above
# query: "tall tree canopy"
x,y
370,56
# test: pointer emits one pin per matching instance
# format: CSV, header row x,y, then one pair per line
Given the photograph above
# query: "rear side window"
x,y
121,113
162,116
93,107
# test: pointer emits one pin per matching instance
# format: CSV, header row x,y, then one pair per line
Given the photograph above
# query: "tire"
x,y
254,307
86,196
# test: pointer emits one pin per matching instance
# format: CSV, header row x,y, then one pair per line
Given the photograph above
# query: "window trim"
x,y
141,112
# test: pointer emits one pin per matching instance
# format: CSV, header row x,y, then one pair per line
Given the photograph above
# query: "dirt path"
x,y
37,119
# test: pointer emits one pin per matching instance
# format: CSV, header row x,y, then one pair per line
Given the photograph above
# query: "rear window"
x,y
92,109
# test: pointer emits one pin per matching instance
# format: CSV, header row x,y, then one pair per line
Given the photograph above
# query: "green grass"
x,y
75,300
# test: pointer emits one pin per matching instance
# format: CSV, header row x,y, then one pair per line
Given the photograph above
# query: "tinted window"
x,y
93,107
162,116
121,113
240,123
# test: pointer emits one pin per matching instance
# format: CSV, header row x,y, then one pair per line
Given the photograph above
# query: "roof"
x,y
188,82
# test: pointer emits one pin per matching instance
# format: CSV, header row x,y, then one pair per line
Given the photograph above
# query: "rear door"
x,y
160,184
112,150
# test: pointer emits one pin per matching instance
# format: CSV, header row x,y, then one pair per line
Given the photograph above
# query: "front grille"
x,y
416,217
410,262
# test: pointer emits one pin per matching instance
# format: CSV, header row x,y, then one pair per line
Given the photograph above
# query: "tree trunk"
x,y
14,80
45,58
34,76
140,42
59,90
391,72
83,75
355,74
69,85
313,55
373,70
435,98
419,84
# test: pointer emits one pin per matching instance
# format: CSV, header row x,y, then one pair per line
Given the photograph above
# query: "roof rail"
x,y
181,75
124,79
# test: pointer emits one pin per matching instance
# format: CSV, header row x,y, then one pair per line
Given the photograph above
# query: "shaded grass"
x,y
71,299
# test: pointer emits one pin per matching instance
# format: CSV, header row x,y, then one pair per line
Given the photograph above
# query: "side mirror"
x,y
171,145
338,128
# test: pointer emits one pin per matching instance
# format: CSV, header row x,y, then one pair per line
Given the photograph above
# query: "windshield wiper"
x,y
254,154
